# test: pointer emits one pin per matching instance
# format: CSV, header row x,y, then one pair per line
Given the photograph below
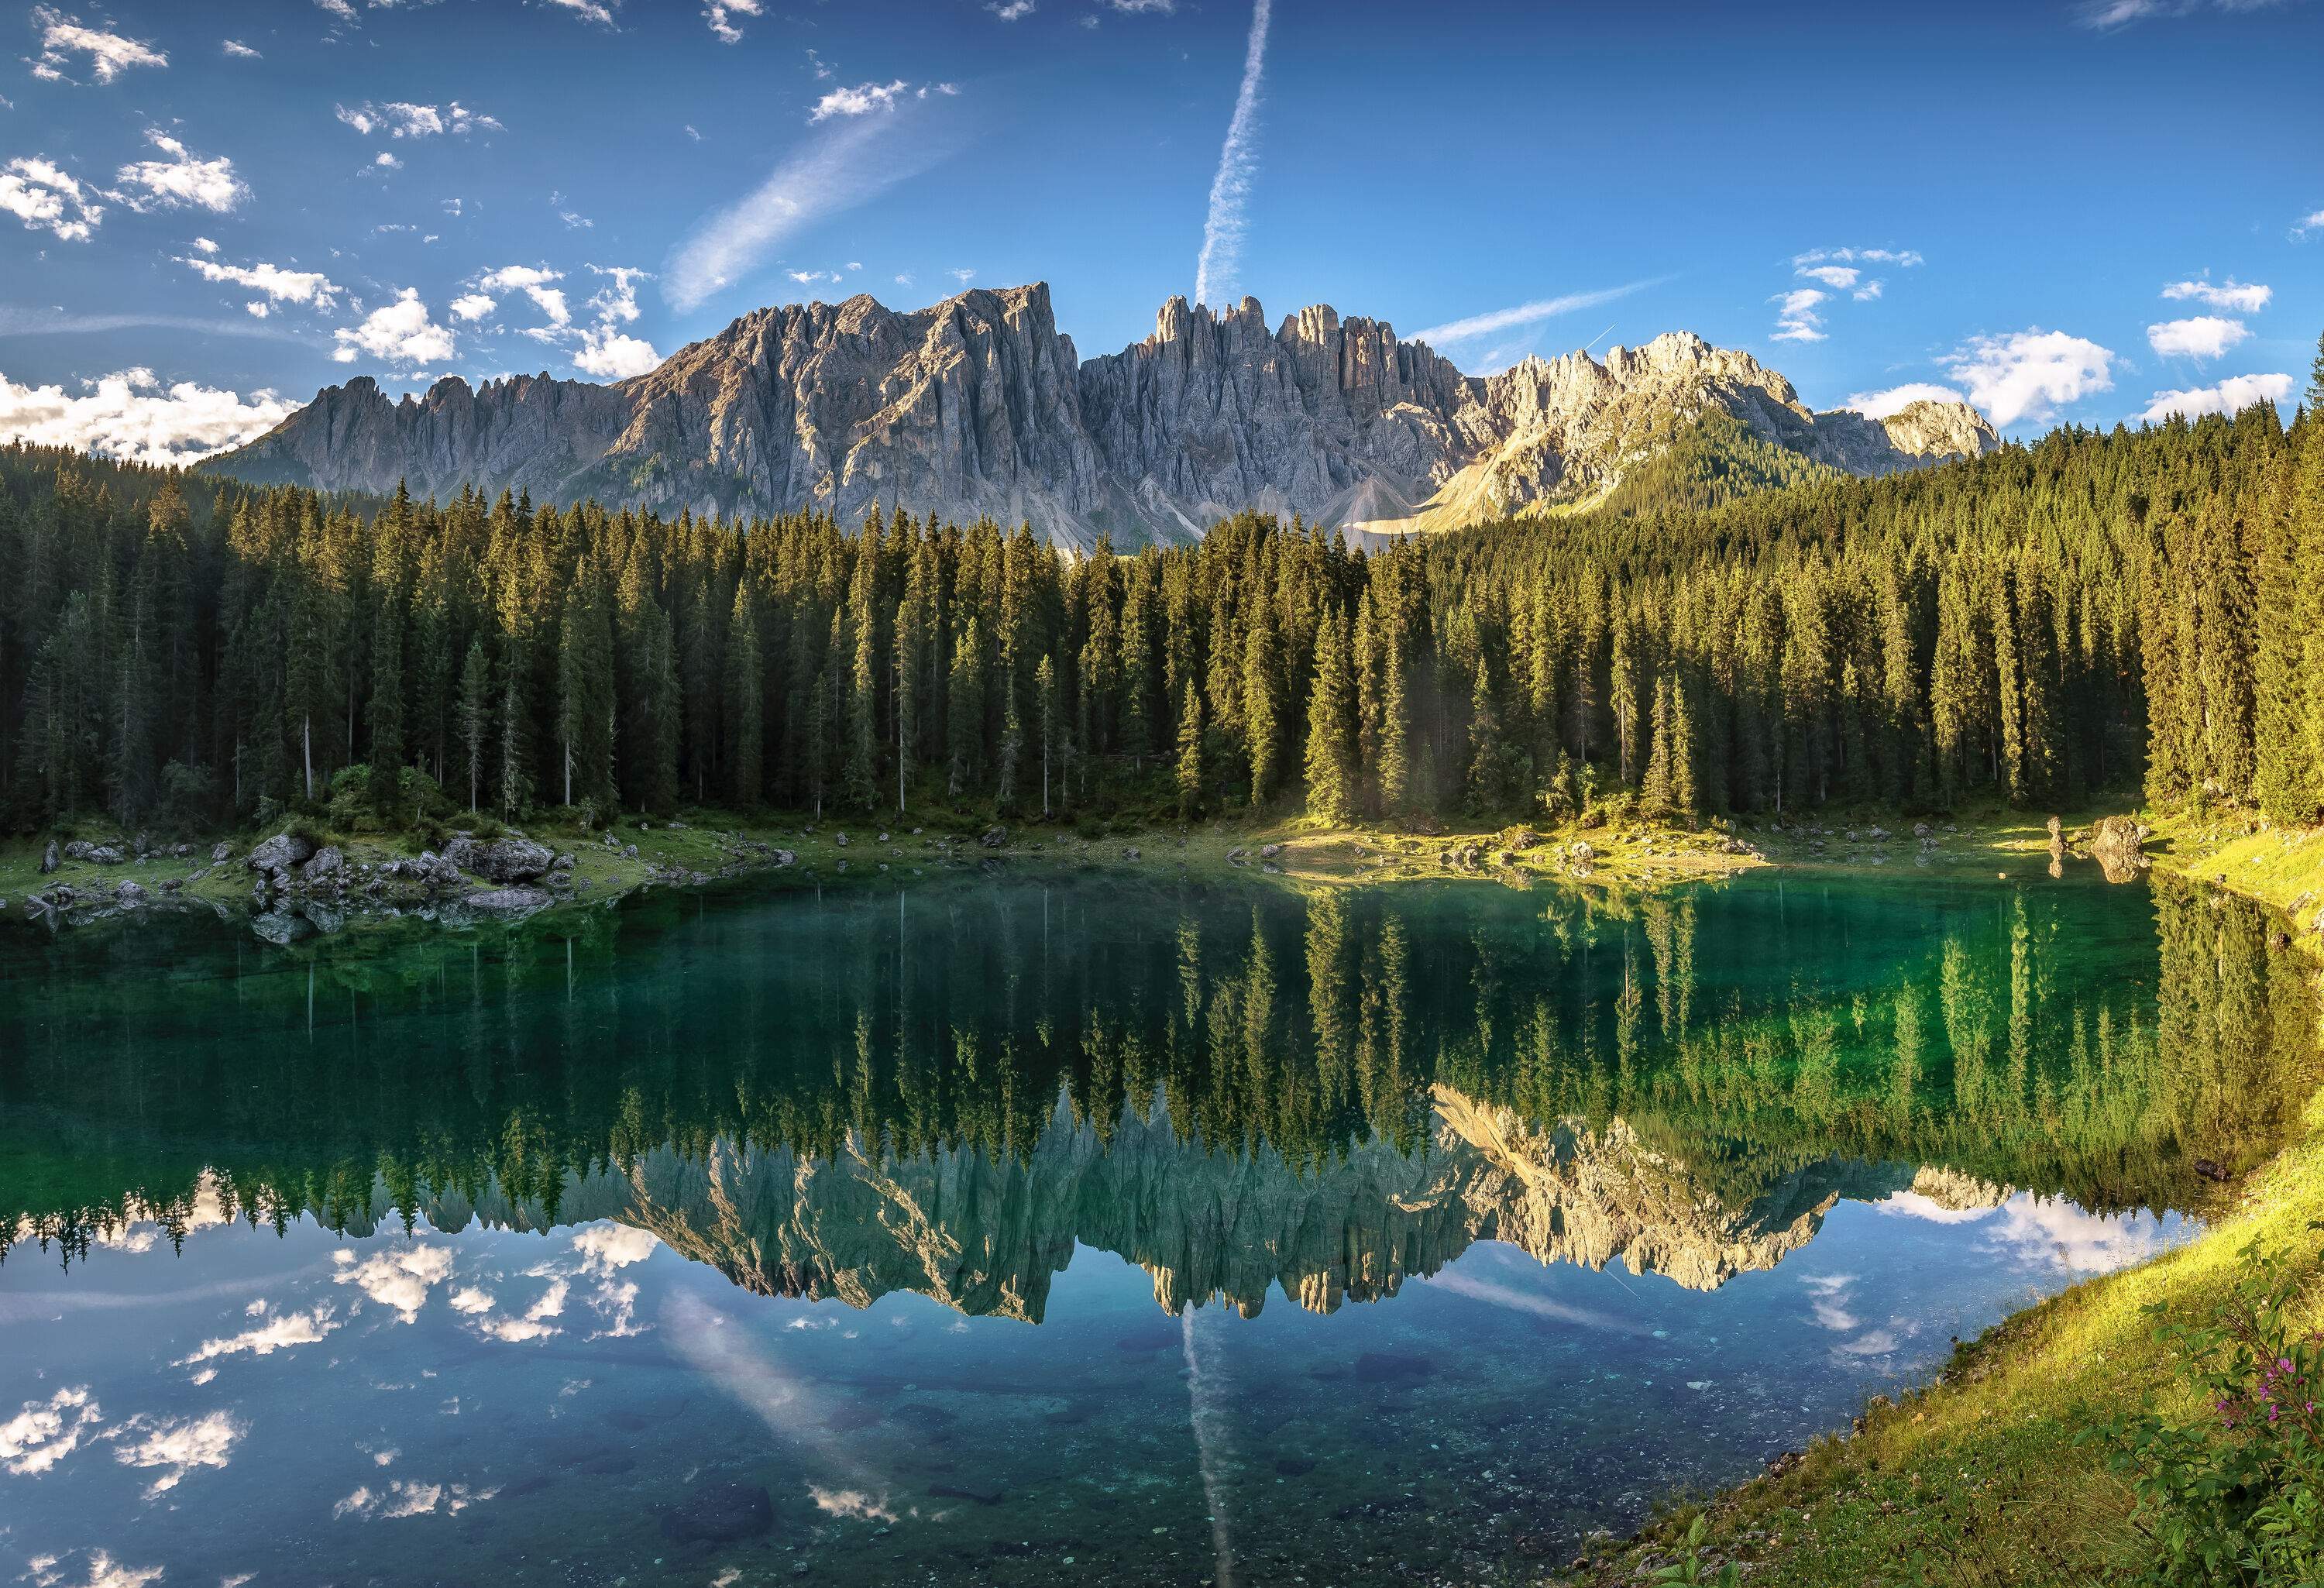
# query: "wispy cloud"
x,y
1222,225
270,281
108,54
1525,314
2106,15
1797,319
720,14
236,50
849,164
182,181
47,197
2241,296
2306,223
400,119
1013,11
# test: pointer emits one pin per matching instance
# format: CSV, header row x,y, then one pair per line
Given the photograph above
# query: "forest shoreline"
x,y
1977,1477
704,845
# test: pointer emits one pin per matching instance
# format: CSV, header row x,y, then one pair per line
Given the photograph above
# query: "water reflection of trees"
x,y
2033,1038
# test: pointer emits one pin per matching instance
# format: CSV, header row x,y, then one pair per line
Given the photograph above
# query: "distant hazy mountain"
x,y
979,405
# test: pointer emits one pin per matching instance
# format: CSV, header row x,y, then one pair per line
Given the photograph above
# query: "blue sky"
x,y
2064,210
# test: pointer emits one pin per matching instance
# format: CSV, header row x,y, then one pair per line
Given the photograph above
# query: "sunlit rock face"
x,y
983,1235
980,406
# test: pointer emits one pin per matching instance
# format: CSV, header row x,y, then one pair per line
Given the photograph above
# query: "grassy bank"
x,y
1977,1478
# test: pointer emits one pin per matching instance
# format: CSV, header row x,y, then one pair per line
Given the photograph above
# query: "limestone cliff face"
x,y
984,1237
979,405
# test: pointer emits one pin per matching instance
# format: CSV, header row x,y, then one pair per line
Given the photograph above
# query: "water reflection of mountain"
x,y
946,1092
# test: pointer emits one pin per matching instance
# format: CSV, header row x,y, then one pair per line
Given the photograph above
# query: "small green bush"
x,y
2235,1497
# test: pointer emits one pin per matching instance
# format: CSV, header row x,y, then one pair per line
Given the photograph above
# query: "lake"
x,y
1031,1229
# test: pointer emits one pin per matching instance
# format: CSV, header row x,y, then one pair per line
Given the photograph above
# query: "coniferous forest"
x,y
2097,613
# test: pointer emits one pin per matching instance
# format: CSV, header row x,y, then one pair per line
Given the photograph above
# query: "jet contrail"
x,y
1222,228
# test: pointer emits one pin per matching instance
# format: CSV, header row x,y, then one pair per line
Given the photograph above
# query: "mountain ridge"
x,y
979,405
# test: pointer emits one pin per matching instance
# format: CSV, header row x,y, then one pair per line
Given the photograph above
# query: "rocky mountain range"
x,y
986,1235
980,405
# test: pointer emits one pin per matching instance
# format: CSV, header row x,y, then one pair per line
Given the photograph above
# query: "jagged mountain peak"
x,y
979,405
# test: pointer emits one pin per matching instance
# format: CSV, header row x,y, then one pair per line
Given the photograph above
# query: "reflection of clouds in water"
x,y
551,1303
399,1279
617,1304
1828,1300
46,1432
1517,1300
177,1446
743,1366
104,1571
470,1301
1829,1296
401,1499
278,1333
850,1502
2050,1232
603,1248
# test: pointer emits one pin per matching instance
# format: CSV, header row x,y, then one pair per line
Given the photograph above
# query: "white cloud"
x,y
2232,395
1841,277
387,161
848,166
1223,221
1523,314
1868,292
963,275
2242,298
471,1302
286,286
612,356
1896,399
401,333
47,197
399,119
534,284
551,1303
861,100
45,1432
399,1278
1797,319
575,221
182,181
257,310
206,245
2045,1232
2206,336
472,306
340,9
1013,11
177,1447
720,15
2030,374
903,278
236,50
128,415
109,54
280,1332
1154,7
2308,224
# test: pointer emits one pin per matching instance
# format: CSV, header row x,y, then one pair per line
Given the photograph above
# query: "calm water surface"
x,y
1037,1231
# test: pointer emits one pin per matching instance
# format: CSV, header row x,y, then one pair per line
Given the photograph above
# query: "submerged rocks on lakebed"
x,y
720,1513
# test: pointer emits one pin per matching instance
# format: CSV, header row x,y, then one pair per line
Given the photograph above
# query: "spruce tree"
x,y
1331,764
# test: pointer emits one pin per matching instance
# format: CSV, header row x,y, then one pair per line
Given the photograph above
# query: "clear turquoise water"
x,y
1026,1229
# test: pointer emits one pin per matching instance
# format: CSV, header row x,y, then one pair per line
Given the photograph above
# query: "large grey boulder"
x,y
281,852
512,859
327,862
